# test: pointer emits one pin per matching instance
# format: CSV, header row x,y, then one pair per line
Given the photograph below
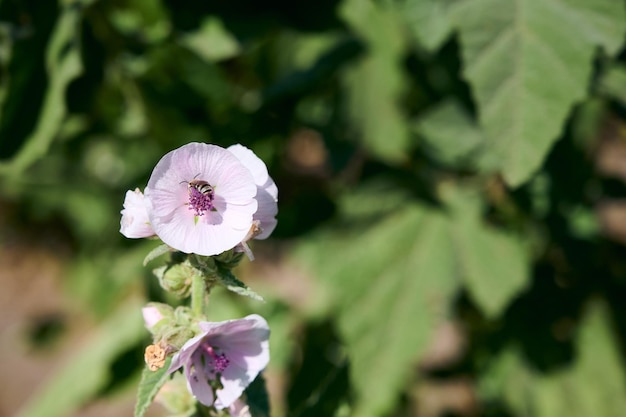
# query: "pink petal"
x,y
151,316
220,168
199,386
245,341
183,356
271,188
266,213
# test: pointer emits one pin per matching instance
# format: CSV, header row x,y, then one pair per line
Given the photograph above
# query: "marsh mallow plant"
x,y
205,203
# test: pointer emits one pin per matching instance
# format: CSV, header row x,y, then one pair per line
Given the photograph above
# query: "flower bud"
x,y
176,279
154,313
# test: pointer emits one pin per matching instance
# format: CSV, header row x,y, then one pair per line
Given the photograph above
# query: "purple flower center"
x,y
216,363
201,197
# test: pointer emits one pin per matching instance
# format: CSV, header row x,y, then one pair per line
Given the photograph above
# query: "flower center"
x,y
216,363
201,197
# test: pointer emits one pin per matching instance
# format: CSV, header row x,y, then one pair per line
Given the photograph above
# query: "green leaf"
x,y
147,19
451,137
63,65
156,252
212,41
149,386
375,83
88,370
427,21
593,385
229,280
613,83
392,282
528,62
494,265
394,273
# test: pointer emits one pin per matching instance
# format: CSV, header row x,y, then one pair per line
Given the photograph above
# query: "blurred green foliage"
x,y
437,161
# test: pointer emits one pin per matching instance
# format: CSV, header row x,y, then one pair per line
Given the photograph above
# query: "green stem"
x,y
198,291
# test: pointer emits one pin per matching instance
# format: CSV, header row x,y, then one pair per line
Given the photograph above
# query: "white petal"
x,y
252,162
135,223
234,381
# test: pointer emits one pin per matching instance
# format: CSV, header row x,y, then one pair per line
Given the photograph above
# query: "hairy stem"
x,y
198,293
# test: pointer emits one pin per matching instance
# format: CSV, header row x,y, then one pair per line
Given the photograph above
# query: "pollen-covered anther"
x,y
200,199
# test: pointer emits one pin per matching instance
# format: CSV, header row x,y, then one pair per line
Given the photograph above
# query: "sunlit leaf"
x,y
149,386
528,62
212,41
427,21
87,371
156,252
226,278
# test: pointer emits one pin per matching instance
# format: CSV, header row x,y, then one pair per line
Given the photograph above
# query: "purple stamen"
x,y
200,202
218,362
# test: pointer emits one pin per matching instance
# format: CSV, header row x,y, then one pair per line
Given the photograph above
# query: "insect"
x,y
202,187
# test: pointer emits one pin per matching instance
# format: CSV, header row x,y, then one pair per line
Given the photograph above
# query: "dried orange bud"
x,y
155,357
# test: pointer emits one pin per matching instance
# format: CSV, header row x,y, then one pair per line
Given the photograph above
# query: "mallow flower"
x,y
135,223
221,361
201,199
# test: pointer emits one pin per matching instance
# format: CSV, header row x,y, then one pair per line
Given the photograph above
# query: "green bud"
x,y
177,279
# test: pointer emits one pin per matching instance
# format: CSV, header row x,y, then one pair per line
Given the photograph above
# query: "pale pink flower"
x,y
151,316
267,192
201,199
135,223
233,351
